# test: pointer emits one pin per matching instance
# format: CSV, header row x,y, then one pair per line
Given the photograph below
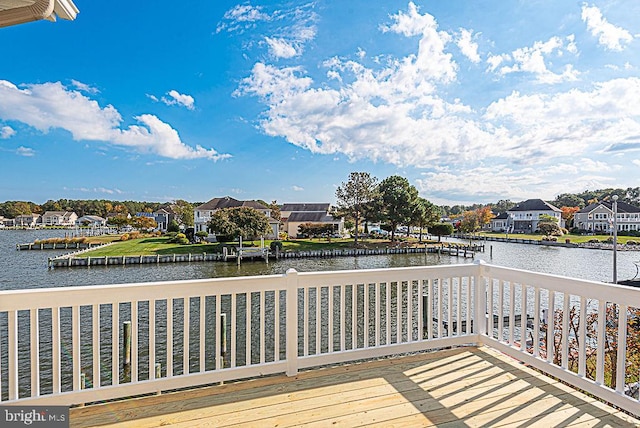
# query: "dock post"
x,y
126,343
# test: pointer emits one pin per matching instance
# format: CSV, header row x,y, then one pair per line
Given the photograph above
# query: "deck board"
x,y
456,387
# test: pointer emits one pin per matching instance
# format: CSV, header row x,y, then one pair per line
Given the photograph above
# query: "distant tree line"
x,y
99,207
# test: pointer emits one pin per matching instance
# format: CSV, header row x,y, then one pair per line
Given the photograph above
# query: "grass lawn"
x,y
576,239
161,245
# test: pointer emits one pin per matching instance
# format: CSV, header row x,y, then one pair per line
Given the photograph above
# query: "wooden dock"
x,y
457,387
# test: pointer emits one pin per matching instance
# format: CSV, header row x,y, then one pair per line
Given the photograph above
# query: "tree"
x,y
245,222
424,215
470,222
118,221
173,227
353,197
441,229
549,225
568,213
398,201
184,212
144,223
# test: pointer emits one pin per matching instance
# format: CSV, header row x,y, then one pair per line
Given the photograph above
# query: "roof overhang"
x,y
14,12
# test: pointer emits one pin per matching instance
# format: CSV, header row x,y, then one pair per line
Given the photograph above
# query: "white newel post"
x,y
292,322
480,324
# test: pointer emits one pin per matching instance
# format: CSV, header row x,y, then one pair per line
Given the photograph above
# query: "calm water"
x,y
28,269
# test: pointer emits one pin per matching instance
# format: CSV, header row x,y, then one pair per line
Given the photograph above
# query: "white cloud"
x,y
281,48
297,188
51,105
176,98
467,46
6,132
609,36
84,87
241,17
636,162
532,60
25,151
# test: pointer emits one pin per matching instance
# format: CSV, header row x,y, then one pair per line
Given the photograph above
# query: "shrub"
x,y
274,245
124,237
609,240
593,241
630,242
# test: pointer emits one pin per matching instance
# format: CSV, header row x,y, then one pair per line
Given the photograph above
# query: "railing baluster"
x,y
186,327
170,337
35,352
512,312
565,330
399,311
459,306
262,327
430,309
410,311
582,336
501,311
134,341
387,290
490,291
115,343
450,309
343,325
305,321
13,354
536,322
354,316
55,348
276,325
202,339
420,310
602,310
95,338
152,339
247,357
468,327
622,348
365,321
234,330
440,305
523,317
318,320
75,341
551,340
330,303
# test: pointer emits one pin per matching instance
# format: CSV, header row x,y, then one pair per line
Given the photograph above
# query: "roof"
x,y
65,214
623,207
535,205
228,202
501,216
311,217
96,218
306,207
13,12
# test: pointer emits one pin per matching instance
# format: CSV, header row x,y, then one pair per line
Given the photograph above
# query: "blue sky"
x,y
472,101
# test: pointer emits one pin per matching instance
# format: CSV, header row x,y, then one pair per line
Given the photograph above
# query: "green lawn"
x,y
161,245
576,239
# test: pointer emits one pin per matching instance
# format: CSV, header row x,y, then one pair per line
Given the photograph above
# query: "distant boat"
x,y
635,281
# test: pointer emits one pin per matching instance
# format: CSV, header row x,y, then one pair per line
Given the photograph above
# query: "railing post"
x,y
480,326
292,322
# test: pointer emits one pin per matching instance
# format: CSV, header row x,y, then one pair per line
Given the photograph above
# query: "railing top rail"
x,y
614,293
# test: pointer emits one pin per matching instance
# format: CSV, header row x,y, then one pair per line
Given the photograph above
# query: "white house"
x,y
91,220
295,214
598,217
59,218
525,216
26,220
501,222
202,214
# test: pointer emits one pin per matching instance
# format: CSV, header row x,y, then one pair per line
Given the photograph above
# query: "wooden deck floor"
x,y
474,387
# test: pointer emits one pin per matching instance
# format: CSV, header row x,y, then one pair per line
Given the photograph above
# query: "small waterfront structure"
x,y
288,325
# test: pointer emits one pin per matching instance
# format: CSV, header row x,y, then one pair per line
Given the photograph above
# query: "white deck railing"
x,y
65,345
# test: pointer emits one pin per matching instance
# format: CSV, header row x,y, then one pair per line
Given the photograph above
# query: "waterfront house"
x,y
295,214
598,217
59,218
164,216
202,214
526,215
501,222
27,220
91,221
